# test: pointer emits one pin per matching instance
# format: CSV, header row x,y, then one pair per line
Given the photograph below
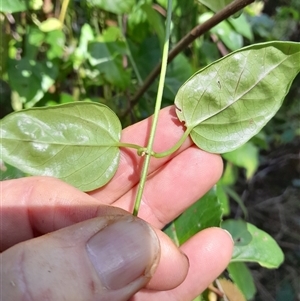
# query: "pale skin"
x,y
41,205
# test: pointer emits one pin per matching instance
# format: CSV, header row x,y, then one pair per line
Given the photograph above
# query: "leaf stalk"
x,y
174,148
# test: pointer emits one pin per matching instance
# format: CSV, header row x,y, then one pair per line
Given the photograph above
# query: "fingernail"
x,y
228,233
126,249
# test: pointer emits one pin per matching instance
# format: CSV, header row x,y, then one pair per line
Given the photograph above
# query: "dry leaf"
x,y
230,290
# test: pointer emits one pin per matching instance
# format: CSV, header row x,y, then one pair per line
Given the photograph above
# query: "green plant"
x,y
222,106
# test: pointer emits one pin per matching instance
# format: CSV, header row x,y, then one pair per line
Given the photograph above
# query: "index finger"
x,y
170,130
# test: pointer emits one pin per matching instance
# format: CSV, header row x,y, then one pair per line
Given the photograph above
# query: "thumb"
x,y
105,258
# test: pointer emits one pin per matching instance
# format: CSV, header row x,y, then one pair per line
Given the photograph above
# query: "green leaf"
x,y
205,213
34,38
229,101
56,41
262,249
36,4
232,39
137,24
13,6
147,55
116,6
107,58
223,199
229,176
215,5
9,172
81,52
245,156
242,26
74,142
4,47
156,22
241,276
50,24
179,70
30,79
236,198
228,36
238,230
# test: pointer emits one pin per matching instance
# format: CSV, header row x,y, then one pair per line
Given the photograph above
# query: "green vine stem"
x,y
148,152
63,11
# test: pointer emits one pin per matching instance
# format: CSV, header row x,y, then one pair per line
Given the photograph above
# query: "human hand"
x,y
59,243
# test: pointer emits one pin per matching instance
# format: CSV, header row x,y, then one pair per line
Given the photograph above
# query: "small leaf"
x,y
56,41
245,156
205,213
262,249
229,176
223,199
229,101
241,276
107,58
242,26
50,24
116,6
231,38
238,231
73,142
81,52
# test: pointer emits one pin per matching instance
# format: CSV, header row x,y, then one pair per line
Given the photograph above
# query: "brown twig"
x,y
222,49
197,31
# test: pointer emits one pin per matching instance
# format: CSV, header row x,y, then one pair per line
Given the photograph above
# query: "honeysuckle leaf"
x,y
75,142
262,248
242,277
230,100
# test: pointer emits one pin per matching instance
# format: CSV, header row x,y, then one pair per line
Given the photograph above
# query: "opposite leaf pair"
x,y
222,107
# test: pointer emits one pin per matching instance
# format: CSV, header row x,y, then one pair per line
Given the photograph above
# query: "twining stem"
x,y
63,11
149,148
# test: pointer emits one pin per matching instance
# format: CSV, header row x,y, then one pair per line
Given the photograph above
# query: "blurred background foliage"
x,y
102,51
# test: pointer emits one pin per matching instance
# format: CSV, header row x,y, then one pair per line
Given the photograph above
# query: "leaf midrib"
x,y
60,143
234,101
